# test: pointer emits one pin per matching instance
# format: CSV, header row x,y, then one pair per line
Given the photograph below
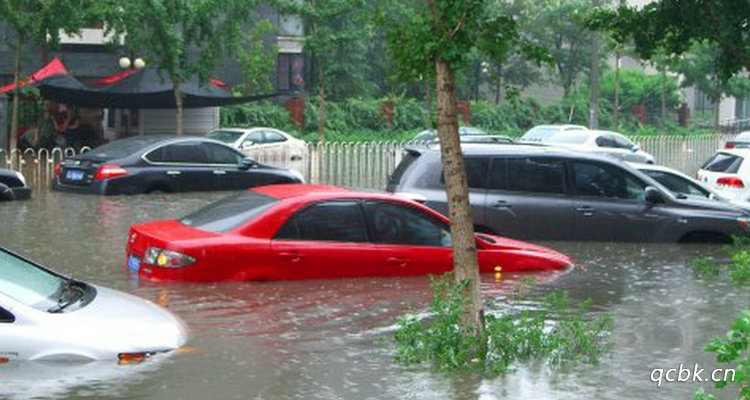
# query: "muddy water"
x,y
328,339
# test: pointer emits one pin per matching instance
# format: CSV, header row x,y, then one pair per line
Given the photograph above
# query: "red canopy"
x,y
116,77
53,68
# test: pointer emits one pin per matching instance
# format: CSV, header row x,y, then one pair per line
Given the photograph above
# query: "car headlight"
x,y
166,258
21,178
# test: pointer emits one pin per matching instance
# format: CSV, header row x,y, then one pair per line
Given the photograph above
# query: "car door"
x,y
610,204
527,198
183,165
226,168
326,240
411,242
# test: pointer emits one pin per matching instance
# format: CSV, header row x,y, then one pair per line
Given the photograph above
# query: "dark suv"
x,y
534,192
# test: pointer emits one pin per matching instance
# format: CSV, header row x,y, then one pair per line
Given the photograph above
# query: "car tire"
x,y
158,188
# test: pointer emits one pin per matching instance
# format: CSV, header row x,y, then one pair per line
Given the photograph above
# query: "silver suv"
x,y
547,193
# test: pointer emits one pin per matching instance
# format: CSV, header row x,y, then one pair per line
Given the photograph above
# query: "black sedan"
x,y
13,185
162,163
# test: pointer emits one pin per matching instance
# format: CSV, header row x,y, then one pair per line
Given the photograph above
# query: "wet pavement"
x,y
328,339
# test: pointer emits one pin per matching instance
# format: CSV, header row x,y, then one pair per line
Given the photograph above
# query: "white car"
x,y
48,317
267,140
728,173
683,185
741,141
540,133
602,142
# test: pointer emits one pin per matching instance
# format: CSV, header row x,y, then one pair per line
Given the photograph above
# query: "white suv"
x,y
728,172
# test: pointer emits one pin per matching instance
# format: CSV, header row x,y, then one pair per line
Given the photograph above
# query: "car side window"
x,y
598,180
183,153
335,221
255,138
218,154
398,224
476,172
274,137
6,316
536,175
622,142
605,141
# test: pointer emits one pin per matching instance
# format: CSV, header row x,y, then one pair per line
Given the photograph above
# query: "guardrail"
x,y
368,164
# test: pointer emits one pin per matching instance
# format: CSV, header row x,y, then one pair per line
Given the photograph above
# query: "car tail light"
x,y
166,258
107,171
57,169
132,358
731,181
729,145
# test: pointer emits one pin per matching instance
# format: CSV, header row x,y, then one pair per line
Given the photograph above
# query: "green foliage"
x,y
509,337
738,267
700,69
258,61
638,87
733,349
706,267
42,20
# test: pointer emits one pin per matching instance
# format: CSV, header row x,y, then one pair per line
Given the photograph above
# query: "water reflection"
x,y
329,339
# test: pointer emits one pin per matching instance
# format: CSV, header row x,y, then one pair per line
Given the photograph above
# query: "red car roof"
x,y
287,191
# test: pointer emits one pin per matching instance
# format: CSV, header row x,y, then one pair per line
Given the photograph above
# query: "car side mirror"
x,y
247,163
635,149
654,196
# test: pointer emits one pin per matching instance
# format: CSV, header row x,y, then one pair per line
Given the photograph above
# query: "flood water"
x,y
328,339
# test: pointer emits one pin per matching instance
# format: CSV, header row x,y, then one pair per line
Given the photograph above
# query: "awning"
x,y
55,67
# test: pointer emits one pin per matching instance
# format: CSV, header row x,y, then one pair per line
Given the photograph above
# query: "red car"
x,y
303,231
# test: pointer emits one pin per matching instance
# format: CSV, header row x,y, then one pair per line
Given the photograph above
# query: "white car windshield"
x,y
27,283
224,136
579,137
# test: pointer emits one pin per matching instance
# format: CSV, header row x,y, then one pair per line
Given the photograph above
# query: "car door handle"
x,y
501,204
173,172
399,261
291,256
219,172
586,210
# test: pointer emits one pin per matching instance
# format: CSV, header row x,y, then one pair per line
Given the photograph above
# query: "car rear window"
x,y
117,149
723,162
405,163
229,213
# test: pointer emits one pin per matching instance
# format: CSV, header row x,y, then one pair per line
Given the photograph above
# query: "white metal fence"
x,y
368,164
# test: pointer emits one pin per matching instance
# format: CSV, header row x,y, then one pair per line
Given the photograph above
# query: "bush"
x,y
732,348
508,337
257,114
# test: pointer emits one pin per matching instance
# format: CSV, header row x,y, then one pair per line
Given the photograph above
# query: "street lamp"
x,y
126,63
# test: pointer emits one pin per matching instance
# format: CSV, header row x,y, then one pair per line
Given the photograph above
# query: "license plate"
x,y
134,264
73,175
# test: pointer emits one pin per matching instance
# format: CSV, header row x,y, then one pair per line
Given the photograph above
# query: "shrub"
x,y
733,349
257,114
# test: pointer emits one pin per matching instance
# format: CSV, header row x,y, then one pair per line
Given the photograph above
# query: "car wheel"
x,y
705,237
157,189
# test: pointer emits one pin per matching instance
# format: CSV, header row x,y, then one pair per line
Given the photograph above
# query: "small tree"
x,y
257,60
39,22
183,38
440,34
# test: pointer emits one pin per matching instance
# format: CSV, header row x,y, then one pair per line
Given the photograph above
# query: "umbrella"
x,y
55,67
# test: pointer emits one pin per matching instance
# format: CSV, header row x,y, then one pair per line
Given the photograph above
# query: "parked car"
x,y
601,142
260,138
309,232
47,316
684,186
547,193
13,185
163,163
741,141
431,134
540,133
727,171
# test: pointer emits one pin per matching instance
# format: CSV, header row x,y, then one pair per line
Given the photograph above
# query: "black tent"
x,y
147,88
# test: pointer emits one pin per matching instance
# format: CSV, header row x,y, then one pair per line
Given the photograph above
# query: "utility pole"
x,y
594,89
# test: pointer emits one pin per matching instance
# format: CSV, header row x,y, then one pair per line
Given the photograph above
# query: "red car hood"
x,y
517,245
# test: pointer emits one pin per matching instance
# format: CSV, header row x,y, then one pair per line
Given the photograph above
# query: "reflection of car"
x,y
541,133
46,316
246,140
310,231
431,135
13,185
684,186
542,192
727,172
741,141
144,164
601,142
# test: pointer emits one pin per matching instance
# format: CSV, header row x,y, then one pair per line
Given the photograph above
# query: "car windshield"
x,y
225,136
117,149
723,162
27,283
465,131
678,184
540,133
570,137
229,213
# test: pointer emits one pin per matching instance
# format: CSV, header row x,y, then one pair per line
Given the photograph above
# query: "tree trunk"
x,y
178,108
466,265
663,99
616,108
716,115
428,99
594,101
16,98
321,104
498,84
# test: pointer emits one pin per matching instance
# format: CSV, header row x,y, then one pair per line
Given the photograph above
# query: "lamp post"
x,y
126,63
